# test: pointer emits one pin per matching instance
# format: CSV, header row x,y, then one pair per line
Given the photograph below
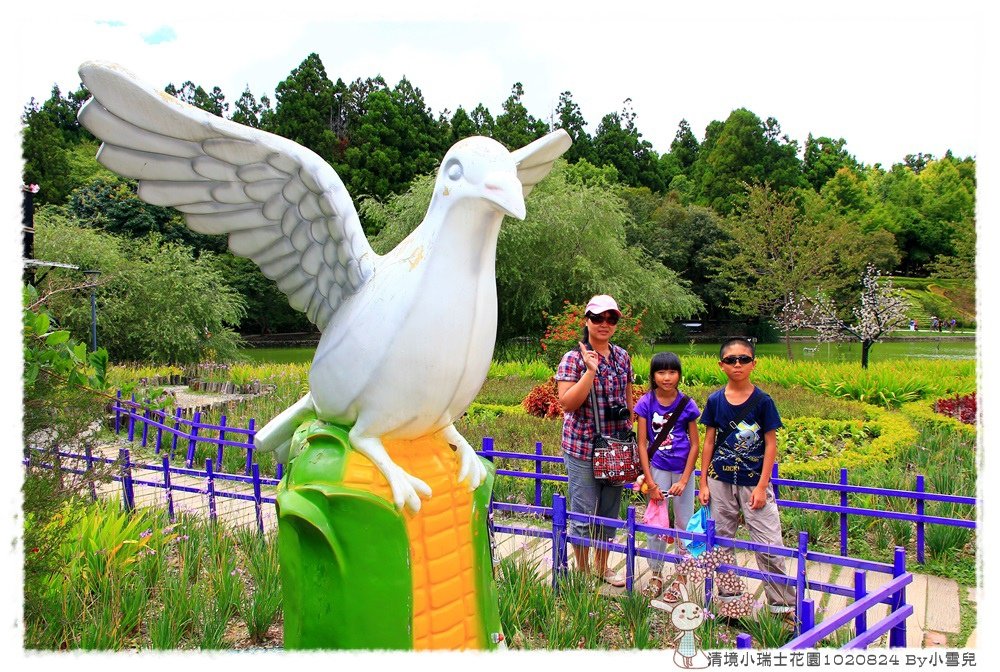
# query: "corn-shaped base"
x,y
359,574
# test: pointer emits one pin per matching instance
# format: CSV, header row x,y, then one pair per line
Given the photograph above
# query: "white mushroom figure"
x,y
407,338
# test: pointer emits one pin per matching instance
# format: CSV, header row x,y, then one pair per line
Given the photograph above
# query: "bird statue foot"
x,y
470,466
406,489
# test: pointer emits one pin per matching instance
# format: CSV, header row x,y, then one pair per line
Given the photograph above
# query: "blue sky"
x,y
891,78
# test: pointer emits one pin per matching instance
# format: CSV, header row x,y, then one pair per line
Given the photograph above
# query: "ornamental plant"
x,y
543,400
962,408
564,330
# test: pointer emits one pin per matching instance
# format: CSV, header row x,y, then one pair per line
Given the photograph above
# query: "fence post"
x,y
709,545
250,437
145,424
222,437
558,538
131,420
118,412
127,494
279,471
860,590
774,479
168,492
89,455
488,447
921,488
162,416
629,548
744,641
808,617
176,432
897,636
194,438
256,497
843,514
538,474
800,579
210,488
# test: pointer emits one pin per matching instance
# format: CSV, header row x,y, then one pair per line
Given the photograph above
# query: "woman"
x,y
607,370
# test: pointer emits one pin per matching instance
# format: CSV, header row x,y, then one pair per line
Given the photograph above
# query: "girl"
x,y
668,470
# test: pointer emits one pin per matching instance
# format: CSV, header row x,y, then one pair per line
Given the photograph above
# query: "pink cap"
x,y
602,303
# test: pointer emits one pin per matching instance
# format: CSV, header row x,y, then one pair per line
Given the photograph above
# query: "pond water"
x,y
927,348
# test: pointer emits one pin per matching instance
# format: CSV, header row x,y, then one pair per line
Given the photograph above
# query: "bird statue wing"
x,y
534,160
280,204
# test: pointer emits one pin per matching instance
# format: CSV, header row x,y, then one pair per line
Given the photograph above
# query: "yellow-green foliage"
x,y
923,412
891,433
888,384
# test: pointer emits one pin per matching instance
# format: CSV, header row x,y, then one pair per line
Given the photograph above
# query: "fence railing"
x,y
809,632
172,481
919,497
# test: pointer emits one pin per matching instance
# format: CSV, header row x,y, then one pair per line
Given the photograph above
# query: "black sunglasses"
x,y
611,319
732,359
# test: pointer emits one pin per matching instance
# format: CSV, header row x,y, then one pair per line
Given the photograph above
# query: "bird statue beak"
x,y
504,190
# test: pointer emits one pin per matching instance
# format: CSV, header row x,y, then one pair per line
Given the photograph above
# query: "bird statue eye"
x,y
453,170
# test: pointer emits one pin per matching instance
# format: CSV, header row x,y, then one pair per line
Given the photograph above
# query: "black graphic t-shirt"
x,y
739,449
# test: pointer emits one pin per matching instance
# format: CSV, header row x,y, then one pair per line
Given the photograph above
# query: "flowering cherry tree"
x,y
881,309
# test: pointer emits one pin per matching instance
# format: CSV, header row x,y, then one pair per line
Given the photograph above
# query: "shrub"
x,y
564,331
543,400
962,408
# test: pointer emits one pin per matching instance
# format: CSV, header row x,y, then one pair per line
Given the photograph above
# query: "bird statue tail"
x,y
276,436
358,573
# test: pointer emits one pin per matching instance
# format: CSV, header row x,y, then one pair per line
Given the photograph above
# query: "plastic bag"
x,y
658,515
697,524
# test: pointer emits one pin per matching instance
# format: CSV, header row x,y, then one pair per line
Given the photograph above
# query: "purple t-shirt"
x,y
673,452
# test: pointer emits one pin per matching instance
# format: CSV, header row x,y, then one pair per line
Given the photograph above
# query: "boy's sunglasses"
x,y
611,319
732,359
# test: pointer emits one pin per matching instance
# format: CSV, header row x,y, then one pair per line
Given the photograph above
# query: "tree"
x,y
773,254
249,112
746,151
213,102
571,245
483,121
881,309
461,126
45,160
310,109
684,146
570,118
515,127
112,203
156,301
619,143
823,158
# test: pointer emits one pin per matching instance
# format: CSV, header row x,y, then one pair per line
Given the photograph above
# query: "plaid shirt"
x,y
614,374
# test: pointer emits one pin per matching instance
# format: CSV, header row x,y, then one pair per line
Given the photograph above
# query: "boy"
x,y
739,451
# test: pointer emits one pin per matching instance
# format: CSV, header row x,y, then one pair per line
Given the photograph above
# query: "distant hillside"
x,y
938,297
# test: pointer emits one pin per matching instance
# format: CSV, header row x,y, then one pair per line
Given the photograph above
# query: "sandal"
x,y
613,579
653,587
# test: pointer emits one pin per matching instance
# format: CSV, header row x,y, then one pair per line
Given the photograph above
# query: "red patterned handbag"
x,y
616,461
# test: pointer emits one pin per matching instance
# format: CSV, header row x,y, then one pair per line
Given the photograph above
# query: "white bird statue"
x,y
407,338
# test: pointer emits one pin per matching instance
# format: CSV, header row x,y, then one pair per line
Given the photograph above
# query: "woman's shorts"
x,y
591,497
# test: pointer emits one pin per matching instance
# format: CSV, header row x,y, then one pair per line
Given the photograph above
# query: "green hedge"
x,y
891,433
923,412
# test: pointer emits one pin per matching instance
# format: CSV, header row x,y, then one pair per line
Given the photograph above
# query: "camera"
x,y
618,412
